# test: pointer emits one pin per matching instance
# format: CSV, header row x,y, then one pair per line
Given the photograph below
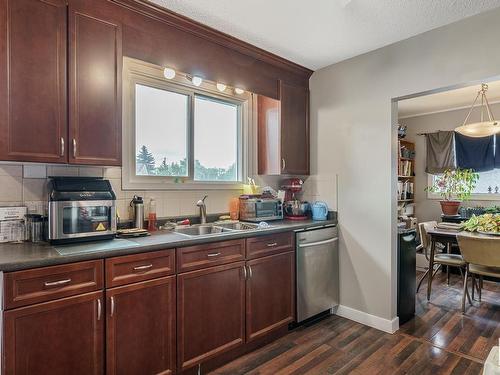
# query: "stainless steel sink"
x,y
215,228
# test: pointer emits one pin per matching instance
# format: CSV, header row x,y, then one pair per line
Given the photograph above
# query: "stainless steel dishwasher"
x,y
317,271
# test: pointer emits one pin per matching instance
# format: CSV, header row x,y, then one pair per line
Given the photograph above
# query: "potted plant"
x,y
454,186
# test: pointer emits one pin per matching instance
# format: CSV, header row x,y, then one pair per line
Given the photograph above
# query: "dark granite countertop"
x,y
26,255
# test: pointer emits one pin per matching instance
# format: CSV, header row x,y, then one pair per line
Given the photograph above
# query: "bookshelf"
x,y
406,171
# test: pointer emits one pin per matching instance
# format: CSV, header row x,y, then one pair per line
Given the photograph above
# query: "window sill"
x,y
172,186
474,197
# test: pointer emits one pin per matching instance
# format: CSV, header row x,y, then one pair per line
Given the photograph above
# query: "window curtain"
x,y
440,152
475,153
497,151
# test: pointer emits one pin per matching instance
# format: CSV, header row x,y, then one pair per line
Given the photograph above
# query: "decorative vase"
x,y
450,208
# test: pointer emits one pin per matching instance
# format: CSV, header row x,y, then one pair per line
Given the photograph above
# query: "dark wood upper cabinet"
x,y
270,294
141,328
210,313
60,337
95,64
33,122
294,129
283,132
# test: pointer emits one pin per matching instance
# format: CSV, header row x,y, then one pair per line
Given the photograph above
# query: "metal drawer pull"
x,y
245,272
273,244
99,309
112,300
250,271
213,254
56,283
283,164
62,146
319,242
139,268
74,148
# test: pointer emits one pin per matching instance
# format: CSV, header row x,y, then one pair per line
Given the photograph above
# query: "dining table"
x,y
447,238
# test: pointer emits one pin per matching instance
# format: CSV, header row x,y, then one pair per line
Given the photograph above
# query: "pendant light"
x,y
482,128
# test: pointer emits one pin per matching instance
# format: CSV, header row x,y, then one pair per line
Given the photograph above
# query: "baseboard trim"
x,y
386,325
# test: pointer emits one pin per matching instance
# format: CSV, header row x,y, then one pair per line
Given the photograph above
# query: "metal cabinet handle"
x,y
272,244
145,267
324,242
245,274
62,146
283,164
213,254
250,271
99,309
112,301
74,147
56,283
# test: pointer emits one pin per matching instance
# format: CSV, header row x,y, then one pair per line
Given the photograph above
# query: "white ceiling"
x,y
317,33
447,100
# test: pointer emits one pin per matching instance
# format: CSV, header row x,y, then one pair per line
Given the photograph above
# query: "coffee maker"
x,y
293,207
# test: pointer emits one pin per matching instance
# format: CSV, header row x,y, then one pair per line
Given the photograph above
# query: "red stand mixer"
x,y
293,207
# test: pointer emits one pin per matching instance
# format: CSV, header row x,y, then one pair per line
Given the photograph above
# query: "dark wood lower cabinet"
x,y
270,294
210,313
141,328
58,338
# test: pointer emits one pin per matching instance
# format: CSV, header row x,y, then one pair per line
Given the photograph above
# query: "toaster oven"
x,y
260,209
80,209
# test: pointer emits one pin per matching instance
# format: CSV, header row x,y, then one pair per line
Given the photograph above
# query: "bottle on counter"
x,y
234,208
152,216
138,206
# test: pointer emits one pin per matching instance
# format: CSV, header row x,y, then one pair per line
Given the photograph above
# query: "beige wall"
x,y
429,209
352,136
17,188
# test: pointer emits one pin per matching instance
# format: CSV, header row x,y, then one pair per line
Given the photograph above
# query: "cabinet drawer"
x,y
44,284
201,256
270,244
139,267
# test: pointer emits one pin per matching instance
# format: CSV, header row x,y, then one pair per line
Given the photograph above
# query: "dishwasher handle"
x,y
330,240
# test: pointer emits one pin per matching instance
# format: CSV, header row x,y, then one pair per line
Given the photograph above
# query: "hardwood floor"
x,y
440,340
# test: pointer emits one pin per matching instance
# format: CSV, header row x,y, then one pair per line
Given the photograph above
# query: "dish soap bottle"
x,y
152,216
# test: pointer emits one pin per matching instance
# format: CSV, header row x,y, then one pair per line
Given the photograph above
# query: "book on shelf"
x,y
405,190
405,168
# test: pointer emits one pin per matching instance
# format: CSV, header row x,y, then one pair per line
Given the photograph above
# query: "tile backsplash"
x,y
26,185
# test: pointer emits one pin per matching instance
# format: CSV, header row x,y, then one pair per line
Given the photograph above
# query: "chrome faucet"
x,y
203,210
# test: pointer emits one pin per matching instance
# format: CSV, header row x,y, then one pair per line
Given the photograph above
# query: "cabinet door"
x,y
270,294
58,338
141,328
269,136
33,123
95,60
210,312
294,129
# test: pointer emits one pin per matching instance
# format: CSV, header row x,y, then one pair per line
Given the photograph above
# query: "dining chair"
x,y
482,257
440,258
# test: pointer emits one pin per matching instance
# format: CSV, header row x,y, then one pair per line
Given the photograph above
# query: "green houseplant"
x,y
454,186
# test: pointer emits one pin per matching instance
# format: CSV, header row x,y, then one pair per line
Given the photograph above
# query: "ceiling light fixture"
x,y
169,73
482,128
196,80
221,87
239,91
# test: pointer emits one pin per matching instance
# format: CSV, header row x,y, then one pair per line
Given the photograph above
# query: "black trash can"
x,y
407,283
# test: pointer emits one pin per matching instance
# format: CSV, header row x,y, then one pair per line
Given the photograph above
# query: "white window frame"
x,y
140,72
474,196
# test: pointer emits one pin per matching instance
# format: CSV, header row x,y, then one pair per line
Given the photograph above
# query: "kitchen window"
x,y
179,136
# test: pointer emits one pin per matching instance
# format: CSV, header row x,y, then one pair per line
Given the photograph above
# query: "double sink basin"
x,y
215,228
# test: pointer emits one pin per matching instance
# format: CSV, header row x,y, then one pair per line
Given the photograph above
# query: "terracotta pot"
x,y
450,208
